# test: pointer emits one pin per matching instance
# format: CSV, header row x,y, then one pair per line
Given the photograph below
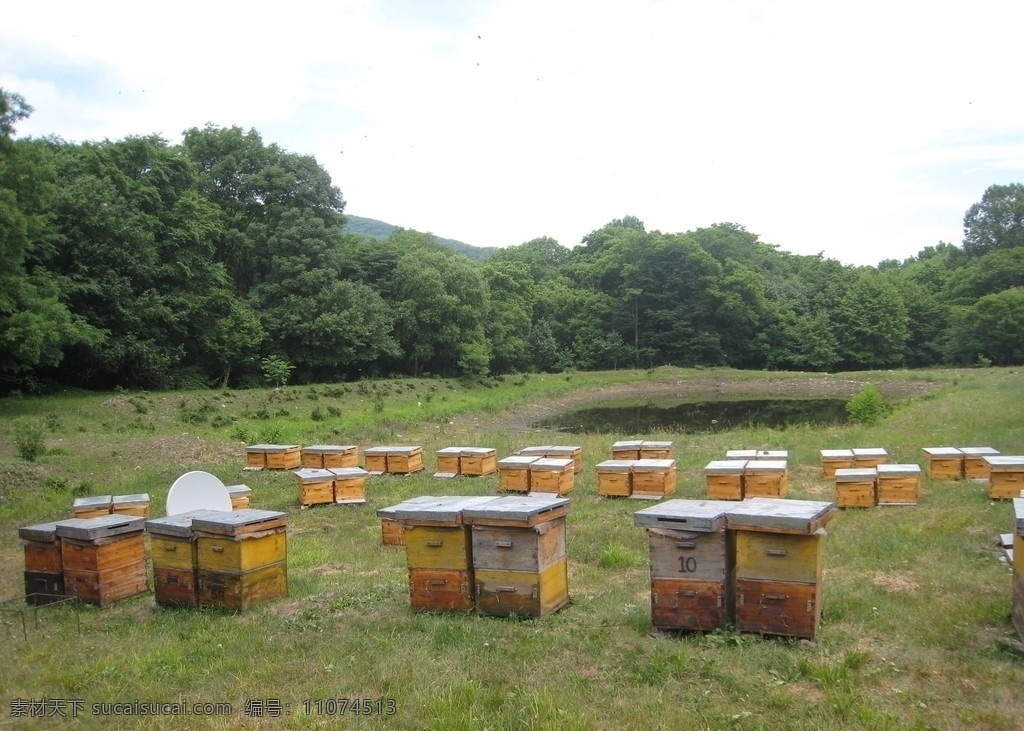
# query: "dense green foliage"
x,y
137,263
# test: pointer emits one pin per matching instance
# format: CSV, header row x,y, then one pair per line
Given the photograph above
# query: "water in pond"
x,y
696,417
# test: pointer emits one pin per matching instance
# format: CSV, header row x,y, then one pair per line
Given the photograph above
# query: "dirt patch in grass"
x,y
897,583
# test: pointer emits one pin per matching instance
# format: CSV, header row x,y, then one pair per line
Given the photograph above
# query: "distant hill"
x,y
381,230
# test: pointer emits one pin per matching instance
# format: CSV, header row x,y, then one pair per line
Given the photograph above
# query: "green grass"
x,y
916,608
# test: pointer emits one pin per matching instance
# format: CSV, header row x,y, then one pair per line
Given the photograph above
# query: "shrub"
x,y
868,406
30,440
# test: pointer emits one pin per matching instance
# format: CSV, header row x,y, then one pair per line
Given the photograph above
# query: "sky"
x,y
859,131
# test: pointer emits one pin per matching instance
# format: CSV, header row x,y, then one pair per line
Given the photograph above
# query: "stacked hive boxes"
x,y
325,456
472,461
44,567
554,451
642,449
519,555
763,572
103,558
175,560
241,557
401,460
1006,476
1018,567
99,505
691,562
273,456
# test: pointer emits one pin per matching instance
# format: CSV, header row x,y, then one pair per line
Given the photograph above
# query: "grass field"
x,y
915,631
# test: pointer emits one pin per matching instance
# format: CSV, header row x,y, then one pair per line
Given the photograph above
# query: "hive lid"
x,y
347,472
780,514
855,474
134,499
628,444
1004,461
654,465
978,451
389,512
562,449
179,525
447,509
217,521
725,467
105,526
766,465
616,464
45,532
330,448
704,516
478,451
272,447
741,454
898,469
517,460
655,444
408,449
450,451
771,454
534,450
942,451
517,509
837,454
239,489
552,463
1018,512
870,452
313,474
93,501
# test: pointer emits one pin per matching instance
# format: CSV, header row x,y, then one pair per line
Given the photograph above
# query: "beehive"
x,y
241,557
975,466
944,463
690,563
898,484
551,475
325,456
103,558
316,486
520,564
567,452
438,550
615,477
625,450
657,450
514,473
766,478
836,459
137,504
477,461
44,568
273,456
869,456
1017,612
375,460
241,496
778,565
653,479
1006,476
175,562
401,460
349,485
856,487
92,507
724,478
391,531
448,462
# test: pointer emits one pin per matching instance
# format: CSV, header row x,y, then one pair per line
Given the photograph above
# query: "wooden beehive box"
x,y
653,479
657,450
93,506
869,456
316,486
104,558
898,484
241,496
615,477
691,562
944,463
375,460
273,456
44,568
567,452
626,450
836,459
391,531
975,466
239,590
405,460
856,487
175,563
724,479
449,462
766,478
1005,476
477,461
1017,612
552,475
325,456
778,565
514,473
349,485
137,504
522,568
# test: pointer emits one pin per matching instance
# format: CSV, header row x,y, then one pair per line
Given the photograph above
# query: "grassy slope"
x,y
916,600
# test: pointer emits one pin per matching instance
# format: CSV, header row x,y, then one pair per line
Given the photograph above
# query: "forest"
x,y
226,261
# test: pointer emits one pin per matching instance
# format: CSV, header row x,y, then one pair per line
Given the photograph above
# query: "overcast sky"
x,y
862,131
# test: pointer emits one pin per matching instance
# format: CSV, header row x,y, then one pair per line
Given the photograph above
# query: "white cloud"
x,y
864,131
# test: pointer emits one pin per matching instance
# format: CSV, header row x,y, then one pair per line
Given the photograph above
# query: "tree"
x,y
997,222
13,109
991,329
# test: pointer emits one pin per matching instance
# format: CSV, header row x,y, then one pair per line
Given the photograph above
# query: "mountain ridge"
x,y
377,229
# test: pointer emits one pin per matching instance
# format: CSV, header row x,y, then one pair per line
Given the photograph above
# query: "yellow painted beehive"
x,y
552,475
349,485
316,486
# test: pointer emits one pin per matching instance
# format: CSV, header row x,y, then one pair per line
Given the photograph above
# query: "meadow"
x,y
915,632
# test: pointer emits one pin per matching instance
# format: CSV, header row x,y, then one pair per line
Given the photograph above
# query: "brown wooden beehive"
x,y
856,487
44,567
477,461
104,558
975,466
448,462
836,459
391,531
325,456
898,484
316,486
175,561
869,456
273,456
653,479
1005,476
766,478
1017,612
615,477
552,475
657,450
137,504
92,506
944,463
724,479
514,473
349,485
626,450
241,496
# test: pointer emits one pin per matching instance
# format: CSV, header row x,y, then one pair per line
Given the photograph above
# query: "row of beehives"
x,y
377,460
95,506
204,558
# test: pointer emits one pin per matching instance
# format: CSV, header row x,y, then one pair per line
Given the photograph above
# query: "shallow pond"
x,y
694,417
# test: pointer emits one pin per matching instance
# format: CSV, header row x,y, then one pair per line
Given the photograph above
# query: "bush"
x,y
868,406
30,440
